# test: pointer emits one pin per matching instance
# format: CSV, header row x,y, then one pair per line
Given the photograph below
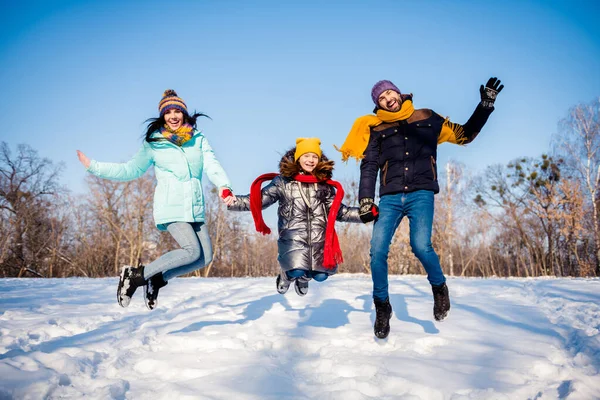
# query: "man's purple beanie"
x,y
381,87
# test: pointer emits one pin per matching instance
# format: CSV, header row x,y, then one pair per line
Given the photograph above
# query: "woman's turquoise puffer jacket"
x,y
178,196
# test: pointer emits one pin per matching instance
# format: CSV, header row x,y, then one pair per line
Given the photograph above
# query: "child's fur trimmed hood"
x,y
289,168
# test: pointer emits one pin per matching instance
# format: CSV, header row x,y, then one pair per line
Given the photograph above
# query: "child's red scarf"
x,y
333,252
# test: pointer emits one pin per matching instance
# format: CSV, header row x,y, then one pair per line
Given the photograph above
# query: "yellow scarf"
x,y
178,136
358,138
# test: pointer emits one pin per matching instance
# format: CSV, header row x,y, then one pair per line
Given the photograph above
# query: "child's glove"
x,y
489,93
227,196
226,193
367,211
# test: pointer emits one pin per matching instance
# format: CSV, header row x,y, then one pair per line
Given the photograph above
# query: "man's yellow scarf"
x,y
358,138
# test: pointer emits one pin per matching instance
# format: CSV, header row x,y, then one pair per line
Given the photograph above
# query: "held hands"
x,y
489,93
367,211
83,159
226,195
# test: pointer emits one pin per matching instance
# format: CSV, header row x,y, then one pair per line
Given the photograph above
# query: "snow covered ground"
x,y
239,339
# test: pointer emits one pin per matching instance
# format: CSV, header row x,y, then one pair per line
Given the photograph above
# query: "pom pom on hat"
x,y
171,100
307,145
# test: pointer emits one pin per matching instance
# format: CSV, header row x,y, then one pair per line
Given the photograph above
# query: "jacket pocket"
x,y
425,131
384,171
433,168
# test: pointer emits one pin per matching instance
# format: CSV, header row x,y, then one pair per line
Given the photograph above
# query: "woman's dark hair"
x,y
154,124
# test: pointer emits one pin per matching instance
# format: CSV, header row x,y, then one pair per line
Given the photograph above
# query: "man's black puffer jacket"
x,y
404,153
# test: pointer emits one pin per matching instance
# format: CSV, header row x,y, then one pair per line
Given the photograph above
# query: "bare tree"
x,y
539,179
450,206
28,184
116,222
574,257
502,192
578,142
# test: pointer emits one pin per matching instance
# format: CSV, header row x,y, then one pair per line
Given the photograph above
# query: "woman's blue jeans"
x,y
195,252
418,207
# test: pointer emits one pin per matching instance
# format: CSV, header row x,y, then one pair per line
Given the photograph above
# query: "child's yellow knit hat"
x,y
307,145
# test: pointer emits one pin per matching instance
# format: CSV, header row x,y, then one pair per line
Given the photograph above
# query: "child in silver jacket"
x,y
309,204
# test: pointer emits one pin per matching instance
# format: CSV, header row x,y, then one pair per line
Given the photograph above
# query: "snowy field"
x,y
239,339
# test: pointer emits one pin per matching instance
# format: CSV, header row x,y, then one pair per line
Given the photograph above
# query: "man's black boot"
x,y
382,319
441,301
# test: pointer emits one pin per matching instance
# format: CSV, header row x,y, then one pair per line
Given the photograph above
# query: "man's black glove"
x,y
490,91
368,211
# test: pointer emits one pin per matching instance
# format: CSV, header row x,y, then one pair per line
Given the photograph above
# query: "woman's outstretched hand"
x,y
226,195
83,159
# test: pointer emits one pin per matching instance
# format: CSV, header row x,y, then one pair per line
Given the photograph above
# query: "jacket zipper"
x,y
308,219
187,162
309,212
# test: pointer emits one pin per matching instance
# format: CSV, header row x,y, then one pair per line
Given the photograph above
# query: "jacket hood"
x,y
289,168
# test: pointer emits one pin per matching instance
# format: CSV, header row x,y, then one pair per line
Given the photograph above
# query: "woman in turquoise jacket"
x,y
180,155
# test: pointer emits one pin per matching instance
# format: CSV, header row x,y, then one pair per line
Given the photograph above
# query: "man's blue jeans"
x,y
418,207
195,252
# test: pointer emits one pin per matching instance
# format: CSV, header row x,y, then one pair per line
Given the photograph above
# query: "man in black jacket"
x,y
399,144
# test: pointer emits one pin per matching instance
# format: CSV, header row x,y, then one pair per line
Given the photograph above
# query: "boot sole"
x,y
147,301
280,291
122,300
443,317
383,336
298,292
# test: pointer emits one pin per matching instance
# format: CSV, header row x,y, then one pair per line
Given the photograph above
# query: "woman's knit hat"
x,y
307,145
171,100
381,87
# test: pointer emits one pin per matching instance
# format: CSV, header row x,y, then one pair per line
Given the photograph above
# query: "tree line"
x,y
531,217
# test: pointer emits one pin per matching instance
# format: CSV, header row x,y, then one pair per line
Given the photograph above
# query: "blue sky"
x,y
87,74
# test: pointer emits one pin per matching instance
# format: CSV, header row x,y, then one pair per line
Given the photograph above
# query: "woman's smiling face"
x,y
174,118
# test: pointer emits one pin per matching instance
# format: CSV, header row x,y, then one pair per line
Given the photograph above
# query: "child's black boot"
x,y
282,282
301,285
